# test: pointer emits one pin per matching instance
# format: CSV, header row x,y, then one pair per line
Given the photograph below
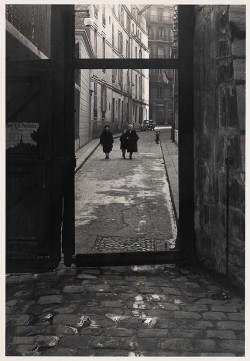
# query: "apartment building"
x,y
118,96
159,20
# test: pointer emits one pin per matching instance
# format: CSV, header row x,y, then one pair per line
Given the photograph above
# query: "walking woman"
x,y
132,139
123,140
107,141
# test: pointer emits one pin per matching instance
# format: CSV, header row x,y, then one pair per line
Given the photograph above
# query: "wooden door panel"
x,y
28,162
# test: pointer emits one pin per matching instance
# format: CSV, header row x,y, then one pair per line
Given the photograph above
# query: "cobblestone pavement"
x,y
124,199
160,310
122,311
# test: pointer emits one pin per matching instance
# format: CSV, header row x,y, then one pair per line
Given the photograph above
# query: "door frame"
x,y
185,240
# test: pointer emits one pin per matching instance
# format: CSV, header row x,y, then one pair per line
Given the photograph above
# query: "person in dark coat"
x,y
123,140
132,139
107,141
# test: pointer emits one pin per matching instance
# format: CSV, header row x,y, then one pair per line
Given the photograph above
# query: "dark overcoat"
x,y
132,139
123,140
107,141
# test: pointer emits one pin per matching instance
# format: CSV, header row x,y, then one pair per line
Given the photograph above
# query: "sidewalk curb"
x,y
170,187
89,155
86,158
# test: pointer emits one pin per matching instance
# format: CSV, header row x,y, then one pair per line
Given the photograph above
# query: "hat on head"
x,y
106,126
130,126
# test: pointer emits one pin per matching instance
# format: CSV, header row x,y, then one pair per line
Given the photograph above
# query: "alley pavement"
x,y
160,310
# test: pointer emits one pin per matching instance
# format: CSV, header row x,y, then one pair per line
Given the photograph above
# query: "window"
x,y
104,101
128,23
160,52
160,14
120,42
140,87
122,111
127,49
133,28
136,86
140,54
95,100
161,33
136,52
114,71
95,42
96,11
122,15
103,15
159,91
159,71
78,71
120,76
113,35
103,47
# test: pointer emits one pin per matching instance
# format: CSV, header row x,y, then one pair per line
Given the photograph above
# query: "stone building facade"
x,y
118,96
160,29
219,138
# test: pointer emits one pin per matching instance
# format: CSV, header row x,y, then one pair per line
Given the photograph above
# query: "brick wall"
x,y
219,115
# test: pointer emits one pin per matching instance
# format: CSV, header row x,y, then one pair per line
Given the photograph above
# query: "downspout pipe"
x,y
229,163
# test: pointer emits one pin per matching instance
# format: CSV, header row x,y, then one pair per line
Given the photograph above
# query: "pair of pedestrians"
x,y
128,141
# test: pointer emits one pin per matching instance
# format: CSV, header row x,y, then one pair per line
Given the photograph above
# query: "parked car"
x,y
151,125
144,125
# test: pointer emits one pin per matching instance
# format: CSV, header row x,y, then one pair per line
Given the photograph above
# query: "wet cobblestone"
x,y
109,315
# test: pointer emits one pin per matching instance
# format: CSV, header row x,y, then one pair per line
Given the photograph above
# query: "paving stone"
x,y
11,303
92,271
236,316
67,272
22,350
226,308
130,323
23,294
164,306
214,316
46,292
67,309
28,330
49,300
199,308
231,325
18,320
171,291
86,276
208,301
147,343
148,290
105,342
98,288
203,325
112,304
22,340
47,340
153,333
119,332
232,346
184,314
103,321
77,342
213,354
66,319
180,333
179,344
74,289
92,331
61,351
223,335
20,278
128,343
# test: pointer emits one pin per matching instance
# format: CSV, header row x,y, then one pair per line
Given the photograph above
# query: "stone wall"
x,y
219,117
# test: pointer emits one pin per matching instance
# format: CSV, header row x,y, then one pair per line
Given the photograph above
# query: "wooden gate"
x,y
29,164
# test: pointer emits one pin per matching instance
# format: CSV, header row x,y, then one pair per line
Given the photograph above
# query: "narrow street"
x,y
124,204
163,310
